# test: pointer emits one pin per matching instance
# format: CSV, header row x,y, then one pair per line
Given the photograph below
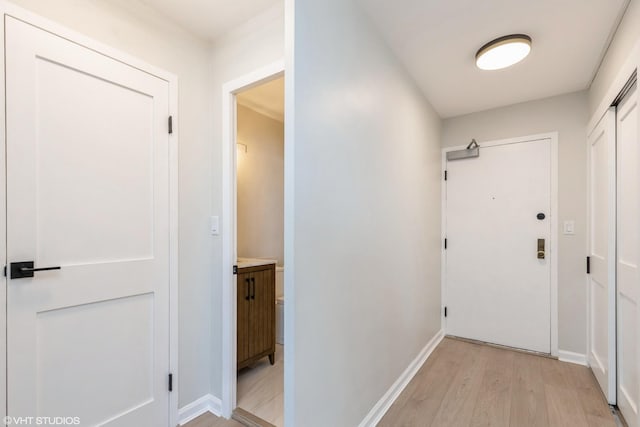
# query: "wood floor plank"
x,y
590,396
458,404
466,384
210,420
422,398
493,405
528,405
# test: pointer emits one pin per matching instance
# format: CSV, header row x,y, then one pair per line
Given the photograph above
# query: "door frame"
x,y
229,230
7,8
553,303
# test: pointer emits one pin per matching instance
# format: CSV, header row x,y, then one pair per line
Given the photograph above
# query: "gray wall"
x,y
367,217
566,114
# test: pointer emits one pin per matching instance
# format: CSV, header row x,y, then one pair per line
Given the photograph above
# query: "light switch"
x,y
215,226
569,227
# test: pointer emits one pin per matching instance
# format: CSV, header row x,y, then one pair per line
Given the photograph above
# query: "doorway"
x,y
499,249
253,246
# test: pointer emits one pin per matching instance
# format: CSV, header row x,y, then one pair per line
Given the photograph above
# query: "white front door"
x,y
87,174
498,210
628,241
602,232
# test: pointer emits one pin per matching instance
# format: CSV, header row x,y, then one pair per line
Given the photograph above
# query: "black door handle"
x,y
253,284
248,291
22,270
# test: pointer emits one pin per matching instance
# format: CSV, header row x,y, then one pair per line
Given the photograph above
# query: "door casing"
x,y
229,230
553,137
9,9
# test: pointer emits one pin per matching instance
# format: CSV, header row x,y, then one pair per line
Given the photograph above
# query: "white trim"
x,y
207,403
229,230
553,304
19,13
632,63
382,406
571,357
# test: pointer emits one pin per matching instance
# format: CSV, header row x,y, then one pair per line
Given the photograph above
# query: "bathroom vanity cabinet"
x,y
256,313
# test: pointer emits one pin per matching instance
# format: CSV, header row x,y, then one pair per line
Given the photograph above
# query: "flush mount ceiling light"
x,y
503,52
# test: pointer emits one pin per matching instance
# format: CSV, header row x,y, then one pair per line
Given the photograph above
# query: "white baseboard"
x,y
382,406
207,403
571,357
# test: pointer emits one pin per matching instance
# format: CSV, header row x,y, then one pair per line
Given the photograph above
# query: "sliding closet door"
x,y
602,163
628,238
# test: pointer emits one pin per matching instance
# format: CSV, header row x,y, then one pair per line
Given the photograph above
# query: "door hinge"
x,y
5,271
170,382
588,265
445,312
445,244
170,125
235,269
446,175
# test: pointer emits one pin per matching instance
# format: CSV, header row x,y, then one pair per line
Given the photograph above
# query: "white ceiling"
x,y
209,19
437,41
266,99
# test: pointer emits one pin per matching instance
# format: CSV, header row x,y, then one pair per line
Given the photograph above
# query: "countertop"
x,y
254,262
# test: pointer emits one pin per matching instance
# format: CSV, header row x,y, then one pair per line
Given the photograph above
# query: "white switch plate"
x,y
215,226
569,227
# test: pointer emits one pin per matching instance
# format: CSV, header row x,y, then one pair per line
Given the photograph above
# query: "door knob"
x,y
541,251
24,269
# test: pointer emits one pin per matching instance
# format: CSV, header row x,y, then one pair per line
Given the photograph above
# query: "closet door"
x,y
88,234
628,238
602,230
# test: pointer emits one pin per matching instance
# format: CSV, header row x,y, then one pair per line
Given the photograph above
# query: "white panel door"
x,y
602,230
498,291
628,241
87,173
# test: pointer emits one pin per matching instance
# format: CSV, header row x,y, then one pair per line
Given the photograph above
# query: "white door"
x,y
87,174
628,279
497,208
602,231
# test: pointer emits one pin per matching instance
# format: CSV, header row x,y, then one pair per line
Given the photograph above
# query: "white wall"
x,y
132,27
566,114
367,217
624,41
257,43
260,186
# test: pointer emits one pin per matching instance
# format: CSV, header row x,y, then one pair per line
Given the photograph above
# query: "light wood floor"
x,y
210,420
465,384
261,389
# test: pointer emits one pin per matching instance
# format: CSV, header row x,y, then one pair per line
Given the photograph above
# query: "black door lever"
x,y
22,270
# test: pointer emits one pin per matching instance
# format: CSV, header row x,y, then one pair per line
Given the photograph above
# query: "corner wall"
x,y
367,217
566,114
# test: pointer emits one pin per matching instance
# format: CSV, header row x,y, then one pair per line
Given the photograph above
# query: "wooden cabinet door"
x,y
262,323
243,307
